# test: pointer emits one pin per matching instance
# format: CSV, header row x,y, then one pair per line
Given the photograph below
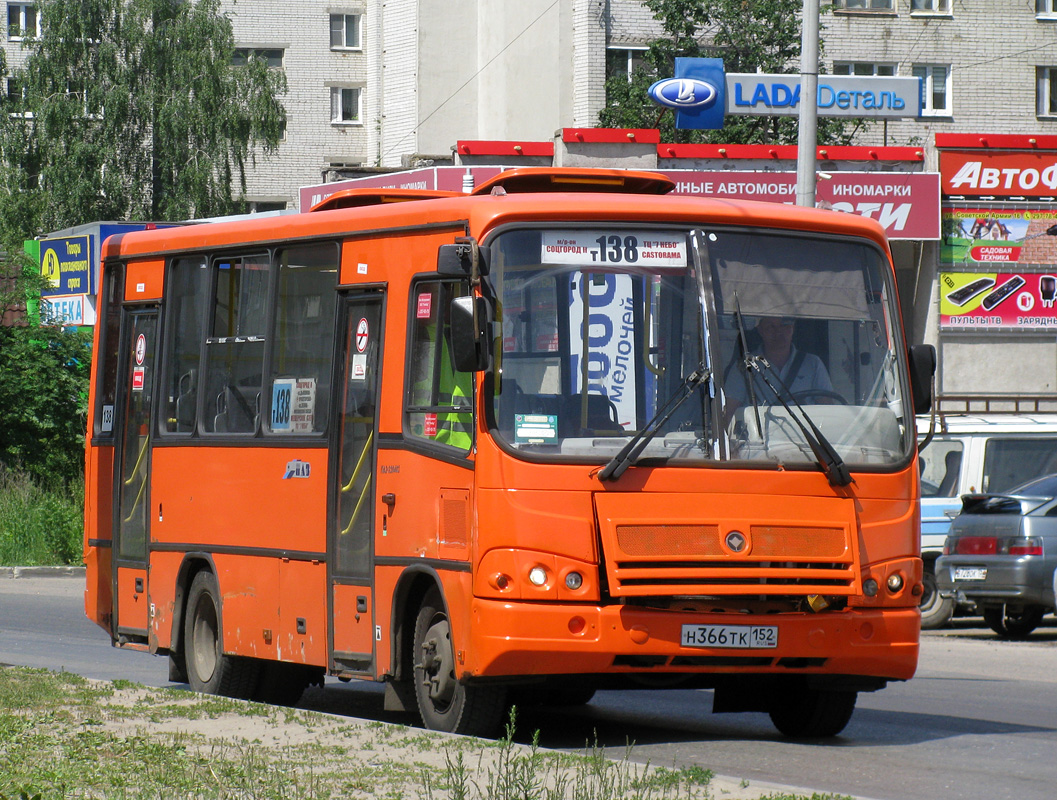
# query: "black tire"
x,y
282,684
1013,623
936,611
209,670
553,694
800,712
444,703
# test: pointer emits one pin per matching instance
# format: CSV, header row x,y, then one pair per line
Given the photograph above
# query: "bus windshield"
x,y
726,344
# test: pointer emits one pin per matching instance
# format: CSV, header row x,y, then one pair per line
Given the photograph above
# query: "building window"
x,y
863,68
935,89
1046,9
272,57
624,61
865,5
22,20
345,105
1046,91
345,31
930,6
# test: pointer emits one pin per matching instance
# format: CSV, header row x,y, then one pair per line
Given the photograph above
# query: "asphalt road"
x,y
978,721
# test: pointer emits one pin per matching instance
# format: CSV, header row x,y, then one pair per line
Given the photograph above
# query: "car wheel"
x,y
803,713
1013,622
444,703
209,669
936,611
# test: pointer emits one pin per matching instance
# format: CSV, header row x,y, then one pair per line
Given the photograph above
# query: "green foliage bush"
x,y
44,401
40,526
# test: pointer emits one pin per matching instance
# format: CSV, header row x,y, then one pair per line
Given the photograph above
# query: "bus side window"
x,y
235,348
440,399
186,313
301,340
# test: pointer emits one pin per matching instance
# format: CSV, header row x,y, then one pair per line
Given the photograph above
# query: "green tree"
x,y
44,372
750,36
133,109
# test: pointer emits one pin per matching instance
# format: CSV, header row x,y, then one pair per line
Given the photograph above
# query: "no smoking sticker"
x,y
362,334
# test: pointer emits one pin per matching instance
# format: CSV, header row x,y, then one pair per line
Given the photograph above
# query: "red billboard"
x,y
1010,174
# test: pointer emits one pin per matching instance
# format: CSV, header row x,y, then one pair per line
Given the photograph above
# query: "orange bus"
x,y
512,445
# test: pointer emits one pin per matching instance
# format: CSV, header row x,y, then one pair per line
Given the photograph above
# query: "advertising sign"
x,y
907,204
1019,174
66,264
67,310
990,235
997,300
838,95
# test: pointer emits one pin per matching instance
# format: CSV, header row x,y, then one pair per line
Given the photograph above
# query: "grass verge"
x,y
39,526
62,736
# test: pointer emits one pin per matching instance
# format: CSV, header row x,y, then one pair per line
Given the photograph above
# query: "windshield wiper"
x,y
746,362
832,464
629,452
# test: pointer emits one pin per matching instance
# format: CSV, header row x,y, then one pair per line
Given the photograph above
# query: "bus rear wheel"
x,y
802,712
444,703
209,669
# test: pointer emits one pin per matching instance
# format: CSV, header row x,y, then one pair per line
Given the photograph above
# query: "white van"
x,y
987,452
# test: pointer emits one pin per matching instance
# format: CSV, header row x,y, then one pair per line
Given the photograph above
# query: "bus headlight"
x,y
895,582
869,587
537,576
573,581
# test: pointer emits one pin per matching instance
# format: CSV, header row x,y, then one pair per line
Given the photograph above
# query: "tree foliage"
x,y
132,109
44,371
750,36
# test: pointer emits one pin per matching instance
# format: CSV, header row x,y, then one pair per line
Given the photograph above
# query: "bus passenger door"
x,y
138,352
352,519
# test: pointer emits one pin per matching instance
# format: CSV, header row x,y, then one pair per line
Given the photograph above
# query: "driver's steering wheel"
x,y
834,398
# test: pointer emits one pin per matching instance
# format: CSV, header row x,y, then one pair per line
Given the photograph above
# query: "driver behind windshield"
x,y
803,373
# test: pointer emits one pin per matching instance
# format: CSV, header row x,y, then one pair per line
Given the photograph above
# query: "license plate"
x,y
970,573
749,637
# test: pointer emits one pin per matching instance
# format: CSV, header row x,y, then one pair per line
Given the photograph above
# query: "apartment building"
x,y
382,85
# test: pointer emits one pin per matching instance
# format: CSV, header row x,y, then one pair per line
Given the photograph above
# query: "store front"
x,y
996,277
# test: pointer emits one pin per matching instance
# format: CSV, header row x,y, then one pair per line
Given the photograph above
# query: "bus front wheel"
x,y
443,702
209,670
802,712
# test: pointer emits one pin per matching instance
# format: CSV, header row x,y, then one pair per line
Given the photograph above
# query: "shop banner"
x,y
1019,174
997,300
67,266
995,235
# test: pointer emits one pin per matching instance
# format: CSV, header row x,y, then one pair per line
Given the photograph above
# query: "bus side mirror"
x,y
922,369
469,339
460,260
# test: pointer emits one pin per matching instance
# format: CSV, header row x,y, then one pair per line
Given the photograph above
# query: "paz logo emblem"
x,y
736,541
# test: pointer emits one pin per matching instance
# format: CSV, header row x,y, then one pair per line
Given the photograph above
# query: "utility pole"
x,y
807,134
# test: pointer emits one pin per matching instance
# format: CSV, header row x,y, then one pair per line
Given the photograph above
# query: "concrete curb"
x,y
42,572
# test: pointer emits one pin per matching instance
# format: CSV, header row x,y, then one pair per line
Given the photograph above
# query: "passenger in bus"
x,y
802,373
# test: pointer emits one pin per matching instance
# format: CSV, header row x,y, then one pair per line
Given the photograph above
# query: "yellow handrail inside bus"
x,y
359,505
139,461
359,462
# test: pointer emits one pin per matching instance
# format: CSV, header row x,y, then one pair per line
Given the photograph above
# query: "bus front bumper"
x,y
523,639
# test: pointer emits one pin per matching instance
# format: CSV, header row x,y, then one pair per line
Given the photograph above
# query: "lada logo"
x,y
683,93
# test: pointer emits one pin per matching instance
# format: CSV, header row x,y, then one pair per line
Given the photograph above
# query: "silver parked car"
x,y
1001,554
